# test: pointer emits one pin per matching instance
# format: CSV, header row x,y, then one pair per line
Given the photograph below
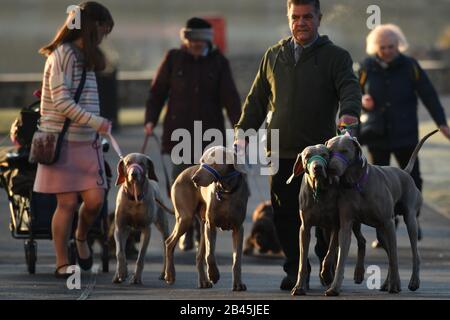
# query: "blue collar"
x,y
217,174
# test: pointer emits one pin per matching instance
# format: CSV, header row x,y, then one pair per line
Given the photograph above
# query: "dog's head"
x,y
216,162
134,169
345,151
313,160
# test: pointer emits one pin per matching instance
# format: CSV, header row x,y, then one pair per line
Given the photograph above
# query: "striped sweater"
x,y
62,75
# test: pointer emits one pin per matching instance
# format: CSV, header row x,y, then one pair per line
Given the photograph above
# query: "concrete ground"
x,y
261,274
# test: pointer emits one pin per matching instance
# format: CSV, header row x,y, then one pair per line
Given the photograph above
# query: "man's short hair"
x,y
314,3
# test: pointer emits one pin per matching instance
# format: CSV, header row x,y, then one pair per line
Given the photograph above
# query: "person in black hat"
x,y
197,83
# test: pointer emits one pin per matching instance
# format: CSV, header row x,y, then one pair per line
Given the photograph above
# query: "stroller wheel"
x,y
30,247
72,253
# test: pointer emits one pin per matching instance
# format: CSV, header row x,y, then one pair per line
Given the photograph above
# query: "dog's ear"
x,y
151,170
358,153
120,173
297,169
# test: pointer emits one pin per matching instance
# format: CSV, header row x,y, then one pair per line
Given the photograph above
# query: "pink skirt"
x,y
77,169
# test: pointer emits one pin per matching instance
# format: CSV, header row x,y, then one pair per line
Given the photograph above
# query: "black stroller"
x,y
31,212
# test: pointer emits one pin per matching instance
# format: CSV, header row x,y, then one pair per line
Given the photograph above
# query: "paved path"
x,y
261,274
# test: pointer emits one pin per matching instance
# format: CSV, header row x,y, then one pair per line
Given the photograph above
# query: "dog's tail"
x,y
413,158
163,206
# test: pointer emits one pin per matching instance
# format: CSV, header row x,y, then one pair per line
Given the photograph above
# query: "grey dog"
x,y
217,191
373,195
138,205
318,207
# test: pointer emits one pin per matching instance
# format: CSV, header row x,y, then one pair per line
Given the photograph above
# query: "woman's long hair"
x,y
92,14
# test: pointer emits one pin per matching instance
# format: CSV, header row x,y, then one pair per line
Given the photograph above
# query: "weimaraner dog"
x,y
138,205
318,207
373,195
216,190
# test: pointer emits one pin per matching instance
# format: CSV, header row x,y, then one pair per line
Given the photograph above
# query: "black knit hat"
x,y
197,29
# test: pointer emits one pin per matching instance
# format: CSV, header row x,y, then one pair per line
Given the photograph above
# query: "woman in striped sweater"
x,y
79,172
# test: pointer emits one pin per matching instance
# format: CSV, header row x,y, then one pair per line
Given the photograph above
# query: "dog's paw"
x,y
384,286
358,277
326,278
298,291
414,284
205,284
332,292
136,280
213,274
395,287
170,278
118,278
239,287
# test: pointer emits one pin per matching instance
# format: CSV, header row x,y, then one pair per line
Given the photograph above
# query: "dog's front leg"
x,y
203,281
145,239
238,238
345,234
327,272
358,276
120,236
210,242
304,239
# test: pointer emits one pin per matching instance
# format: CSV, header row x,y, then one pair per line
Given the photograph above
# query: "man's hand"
x,y
445,131
348,123
367,102
239,146
148,128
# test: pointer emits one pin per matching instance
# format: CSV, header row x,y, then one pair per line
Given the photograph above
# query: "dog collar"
x,y
220,190
217,174
358,185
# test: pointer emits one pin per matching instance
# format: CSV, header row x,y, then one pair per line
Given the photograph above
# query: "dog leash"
x,y
115,145
158,143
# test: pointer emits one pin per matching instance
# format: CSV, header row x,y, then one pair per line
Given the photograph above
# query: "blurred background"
x,y
145,29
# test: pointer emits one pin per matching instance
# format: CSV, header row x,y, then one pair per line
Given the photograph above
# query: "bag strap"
x,y
76,98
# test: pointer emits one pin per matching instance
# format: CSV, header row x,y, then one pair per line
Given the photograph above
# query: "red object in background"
x,y
219,27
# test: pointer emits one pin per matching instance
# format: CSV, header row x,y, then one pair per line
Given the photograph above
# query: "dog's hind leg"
x,y
145,239
238,238
120,236
181,226
412,227
210,242
394,276
203,281
163,226
358,276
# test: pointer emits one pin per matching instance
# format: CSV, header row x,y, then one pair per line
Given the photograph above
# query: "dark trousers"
x,y
287,218
381,157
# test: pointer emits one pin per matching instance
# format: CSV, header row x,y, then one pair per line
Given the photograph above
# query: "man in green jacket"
x,y
304,81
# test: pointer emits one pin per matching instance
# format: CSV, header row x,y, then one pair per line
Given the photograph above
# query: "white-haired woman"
x,y
391,83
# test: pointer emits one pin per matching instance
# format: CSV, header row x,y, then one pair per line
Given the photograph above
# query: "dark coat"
x,y
195,90
304,97
395,90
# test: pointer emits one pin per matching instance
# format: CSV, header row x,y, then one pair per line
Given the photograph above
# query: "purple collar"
x,y
358,185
